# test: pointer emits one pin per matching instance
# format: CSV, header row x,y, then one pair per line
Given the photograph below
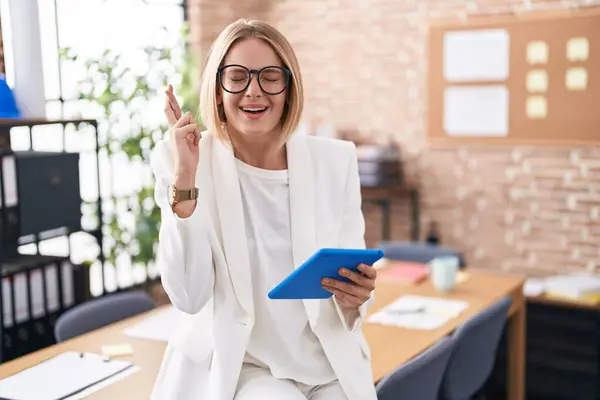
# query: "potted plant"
x,y
121,92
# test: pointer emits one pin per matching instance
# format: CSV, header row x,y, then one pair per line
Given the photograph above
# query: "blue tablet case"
x,y
305,281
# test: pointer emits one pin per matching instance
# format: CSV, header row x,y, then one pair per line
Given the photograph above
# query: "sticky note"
x,y
537,52
578,49
576,79
117,350
537,107
537,81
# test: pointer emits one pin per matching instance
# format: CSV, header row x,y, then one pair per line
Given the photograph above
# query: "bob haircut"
x,y
212,115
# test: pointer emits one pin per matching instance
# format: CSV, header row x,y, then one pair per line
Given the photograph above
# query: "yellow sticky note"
x,y
537,52
576,79
578,49
537,81
117,350
537,107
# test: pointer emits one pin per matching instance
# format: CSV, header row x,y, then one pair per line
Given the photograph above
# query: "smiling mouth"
x,y
253,110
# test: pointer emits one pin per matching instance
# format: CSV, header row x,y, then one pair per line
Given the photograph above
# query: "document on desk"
x,y
418,312
66,376
158,327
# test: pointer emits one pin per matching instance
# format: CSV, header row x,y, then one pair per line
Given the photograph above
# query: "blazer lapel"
x,y
231,217
302,210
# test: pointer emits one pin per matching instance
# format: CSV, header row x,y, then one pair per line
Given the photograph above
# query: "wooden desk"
x,y
390,346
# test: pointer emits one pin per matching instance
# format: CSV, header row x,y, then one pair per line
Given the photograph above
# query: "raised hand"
x,y
185,138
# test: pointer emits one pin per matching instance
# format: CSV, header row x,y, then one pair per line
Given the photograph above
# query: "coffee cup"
x,y
443,272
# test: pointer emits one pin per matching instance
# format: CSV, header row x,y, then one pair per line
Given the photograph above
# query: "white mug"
x,y
443,272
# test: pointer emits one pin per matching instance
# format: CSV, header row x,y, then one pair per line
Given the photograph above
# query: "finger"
x,y
368,271
197,136
170,113
358,278
174,104
345,299
349,288
186,132
185,120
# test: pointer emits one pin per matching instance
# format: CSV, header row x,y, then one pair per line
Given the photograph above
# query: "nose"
x,y
253,89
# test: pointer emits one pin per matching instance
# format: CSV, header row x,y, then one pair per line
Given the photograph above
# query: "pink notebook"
x,y
403,272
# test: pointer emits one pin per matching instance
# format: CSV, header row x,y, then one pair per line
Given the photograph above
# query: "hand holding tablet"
x,y
306,282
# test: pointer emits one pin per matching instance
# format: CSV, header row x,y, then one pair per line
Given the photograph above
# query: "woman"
x,y
242,204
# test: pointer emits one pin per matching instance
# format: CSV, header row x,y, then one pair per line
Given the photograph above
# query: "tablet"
x,y
305,281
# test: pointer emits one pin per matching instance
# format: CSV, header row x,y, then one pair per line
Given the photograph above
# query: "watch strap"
x,y
177,195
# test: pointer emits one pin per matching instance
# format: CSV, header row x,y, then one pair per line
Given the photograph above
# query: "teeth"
x,y
253,109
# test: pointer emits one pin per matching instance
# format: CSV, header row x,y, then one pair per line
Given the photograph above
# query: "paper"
x,y
402,272
534,287
117,350
64,375
576,79
573,286
578,49
537,107
157,327
480,55
418,312
476,111
537,81
537,52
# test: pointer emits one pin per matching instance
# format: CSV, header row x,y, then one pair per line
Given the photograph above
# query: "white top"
x,y
282,338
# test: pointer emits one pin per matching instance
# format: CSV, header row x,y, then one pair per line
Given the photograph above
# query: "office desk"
x,y
390,346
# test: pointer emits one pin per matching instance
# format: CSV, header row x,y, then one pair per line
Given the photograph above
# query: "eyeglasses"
x,y
236,78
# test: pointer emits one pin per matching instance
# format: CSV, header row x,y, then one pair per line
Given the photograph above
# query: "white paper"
x,y
99,386
159,326
480,55
476,111
534,287
60,376
418,312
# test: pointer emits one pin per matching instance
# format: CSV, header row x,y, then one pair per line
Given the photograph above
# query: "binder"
x,y
61,377
9,206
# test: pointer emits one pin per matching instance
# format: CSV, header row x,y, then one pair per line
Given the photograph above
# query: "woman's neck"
x,y
264,152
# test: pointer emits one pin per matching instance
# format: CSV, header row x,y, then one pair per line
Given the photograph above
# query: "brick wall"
x,y
525,209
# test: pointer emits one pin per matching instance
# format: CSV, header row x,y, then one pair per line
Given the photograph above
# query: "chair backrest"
x,y
100,312
418,252
473,358
421,377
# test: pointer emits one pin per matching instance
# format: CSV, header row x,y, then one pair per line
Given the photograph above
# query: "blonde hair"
x,y
212,118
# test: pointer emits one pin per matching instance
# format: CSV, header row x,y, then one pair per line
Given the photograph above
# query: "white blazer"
x,y
205,270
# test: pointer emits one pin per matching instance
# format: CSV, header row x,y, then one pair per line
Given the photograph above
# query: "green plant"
x,y
121,92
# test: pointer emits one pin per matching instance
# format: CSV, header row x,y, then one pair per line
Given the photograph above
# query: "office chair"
x,y
418,252
472,360
99,312
421,377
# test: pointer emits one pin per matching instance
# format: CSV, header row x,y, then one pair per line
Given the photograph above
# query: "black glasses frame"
x,y
287,71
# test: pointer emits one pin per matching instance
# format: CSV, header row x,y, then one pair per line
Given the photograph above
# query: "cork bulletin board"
x,y
515,79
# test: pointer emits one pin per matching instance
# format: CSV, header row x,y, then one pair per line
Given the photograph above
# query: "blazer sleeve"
x,y
184,255
353,235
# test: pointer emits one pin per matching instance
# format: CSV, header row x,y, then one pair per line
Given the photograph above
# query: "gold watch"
x,y
176,195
